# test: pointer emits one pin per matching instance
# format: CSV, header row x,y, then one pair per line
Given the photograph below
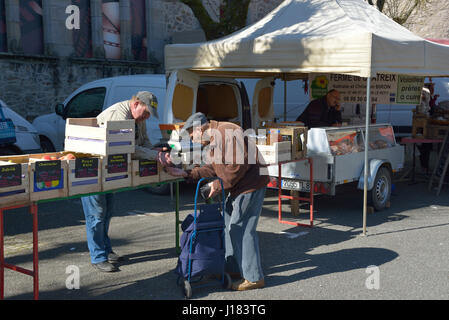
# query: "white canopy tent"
x,y
316,36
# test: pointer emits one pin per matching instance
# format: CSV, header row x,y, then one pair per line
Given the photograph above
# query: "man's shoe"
x,y
244,284
114,258
104,266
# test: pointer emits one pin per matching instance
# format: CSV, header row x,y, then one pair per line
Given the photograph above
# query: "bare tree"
x,y
399,10
232,17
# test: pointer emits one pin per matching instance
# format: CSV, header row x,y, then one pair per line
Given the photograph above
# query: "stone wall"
x,y
32,86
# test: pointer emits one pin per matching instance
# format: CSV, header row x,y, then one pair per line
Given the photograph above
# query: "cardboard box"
x,y
84,135
275,153
14,181
296,135
145,172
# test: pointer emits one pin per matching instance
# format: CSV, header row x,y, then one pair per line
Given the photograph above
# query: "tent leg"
x,y
365,176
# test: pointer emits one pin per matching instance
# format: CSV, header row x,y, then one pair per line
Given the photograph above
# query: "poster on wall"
x,y
111,28
138,30
3,45
31,26
385,88
82,37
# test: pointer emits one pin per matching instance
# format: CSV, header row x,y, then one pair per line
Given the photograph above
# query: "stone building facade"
x,y
48,48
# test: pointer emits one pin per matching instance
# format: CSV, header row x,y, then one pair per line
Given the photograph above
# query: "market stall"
x,y
323,36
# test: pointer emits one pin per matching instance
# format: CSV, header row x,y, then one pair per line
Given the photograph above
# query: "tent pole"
x,y
365,176
285,98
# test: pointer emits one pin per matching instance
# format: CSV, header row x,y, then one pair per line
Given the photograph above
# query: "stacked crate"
x,y
113,143
283,142
145,172
14,181
48,177
419,124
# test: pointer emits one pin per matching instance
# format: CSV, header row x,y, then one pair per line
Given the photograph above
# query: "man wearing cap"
x,y
98,209
246,188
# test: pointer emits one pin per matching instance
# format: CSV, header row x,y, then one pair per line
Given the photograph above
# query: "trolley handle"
x,y
210,179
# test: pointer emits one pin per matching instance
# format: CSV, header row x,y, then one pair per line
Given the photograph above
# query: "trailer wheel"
x,y
381,191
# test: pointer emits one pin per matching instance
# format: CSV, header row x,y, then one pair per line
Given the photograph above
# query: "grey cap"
x,y
150,100
194,119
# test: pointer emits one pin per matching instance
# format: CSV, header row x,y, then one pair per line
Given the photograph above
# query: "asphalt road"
x,y
404,255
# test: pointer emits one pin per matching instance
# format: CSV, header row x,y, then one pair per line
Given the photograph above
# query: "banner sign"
x,y
385,88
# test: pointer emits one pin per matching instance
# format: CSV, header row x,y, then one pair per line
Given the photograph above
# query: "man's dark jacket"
x,y
319,114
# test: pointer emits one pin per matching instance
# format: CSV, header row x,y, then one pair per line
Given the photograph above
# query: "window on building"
x,y
82,37
3,45
138,30
31,26
111,28
86,104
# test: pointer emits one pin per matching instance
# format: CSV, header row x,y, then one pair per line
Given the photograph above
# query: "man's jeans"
x,y
98,211
241,240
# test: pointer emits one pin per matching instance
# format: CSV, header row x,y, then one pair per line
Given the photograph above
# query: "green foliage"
x,y
232,17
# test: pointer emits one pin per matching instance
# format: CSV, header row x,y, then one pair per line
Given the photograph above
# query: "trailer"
x,y
337,154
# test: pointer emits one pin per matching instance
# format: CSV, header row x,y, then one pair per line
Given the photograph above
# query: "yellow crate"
x,y
14,181
167,128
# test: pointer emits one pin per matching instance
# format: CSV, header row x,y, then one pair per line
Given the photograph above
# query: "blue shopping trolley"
x,y
202,244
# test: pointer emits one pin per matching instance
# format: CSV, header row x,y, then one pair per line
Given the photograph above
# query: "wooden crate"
x,y
436,132
48,178
145,172
14,181
296,135
167,129
116,171
84,135
84,174
274,153
419,126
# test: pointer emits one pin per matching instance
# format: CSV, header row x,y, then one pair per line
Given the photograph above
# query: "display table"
x,y
414,141
33,210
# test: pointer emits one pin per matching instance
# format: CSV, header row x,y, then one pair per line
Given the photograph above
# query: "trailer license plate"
x,y
296,185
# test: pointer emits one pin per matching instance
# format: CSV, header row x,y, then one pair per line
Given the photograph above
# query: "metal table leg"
x,y
177,218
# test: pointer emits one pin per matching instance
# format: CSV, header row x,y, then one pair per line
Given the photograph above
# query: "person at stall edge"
x,y
243,204
323,112
98,209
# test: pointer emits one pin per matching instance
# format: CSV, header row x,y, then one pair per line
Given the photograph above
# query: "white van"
x,y
92,98
27,138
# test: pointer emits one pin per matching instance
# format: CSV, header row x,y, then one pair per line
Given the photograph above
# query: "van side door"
x,y
181,96
262,104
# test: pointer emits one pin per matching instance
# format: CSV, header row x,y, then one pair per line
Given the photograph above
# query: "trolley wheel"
x,y
380,194
187,289
227,281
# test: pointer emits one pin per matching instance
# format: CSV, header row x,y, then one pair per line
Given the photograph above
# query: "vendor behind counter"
x,y
323,112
